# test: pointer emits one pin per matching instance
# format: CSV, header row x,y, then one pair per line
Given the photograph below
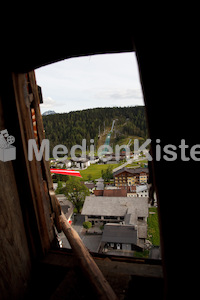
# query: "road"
x,y
91,242
78,224
130,161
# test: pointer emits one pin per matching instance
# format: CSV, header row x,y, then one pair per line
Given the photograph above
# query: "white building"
x,y
124,210
138,191
80,163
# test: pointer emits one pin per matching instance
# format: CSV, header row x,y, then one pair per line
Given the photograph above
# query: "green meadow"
x,y
94,171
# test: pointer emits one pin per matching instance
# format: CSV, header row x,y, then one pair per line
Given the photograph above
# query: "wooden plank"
x,y
33,167
90,269
107,265
40,127
56,209
15,263
45,164
52,203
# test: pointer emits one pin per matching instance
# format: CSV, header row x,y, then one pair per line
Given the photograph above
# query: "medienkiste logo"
x,y
167,152
7,150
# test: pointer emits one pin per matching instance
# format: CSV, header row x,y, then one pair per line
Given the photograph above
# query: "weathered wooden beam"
x,y
40,127
33,168
56,209
89,267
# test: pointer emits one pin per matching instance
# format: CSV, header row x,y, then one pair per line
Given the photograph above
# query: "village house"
x,y
110,158
108,191
67,207
131,191
83,163
138,191
92,159
115,192
90,186
100,184
130,176
80,163
56,163
141,190
119,239
99,187
67,163
125,210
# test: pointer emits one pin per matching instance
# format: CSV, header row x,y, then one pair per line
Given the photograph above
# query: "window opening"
x,y
94,106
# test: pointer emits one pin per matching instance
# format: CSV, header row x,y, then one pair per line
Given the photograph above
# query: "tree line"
x,y
71,128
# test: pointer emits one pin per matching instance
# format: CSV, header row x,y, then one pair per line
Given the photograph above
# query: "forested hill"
x,y
70,128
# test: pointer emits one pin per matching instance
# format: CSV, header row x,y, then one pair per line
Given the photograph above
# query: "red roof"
x,y
115,193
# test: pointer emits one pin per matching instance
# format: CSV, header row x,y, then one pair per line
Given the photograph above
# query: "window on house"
x,y
110,218
94,217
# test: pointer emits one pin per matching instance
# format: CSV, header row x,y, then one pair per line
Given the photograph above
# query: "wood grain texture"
x,y
15,261
40,199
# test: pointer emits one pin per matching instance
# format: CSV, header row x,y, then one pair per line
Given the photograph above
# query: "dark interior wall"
x,y
15,261
26,226
170,95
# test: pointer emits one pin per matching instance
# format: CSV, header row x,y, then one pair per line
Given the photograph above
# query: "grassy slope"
x,y
153,227
152,232
122,141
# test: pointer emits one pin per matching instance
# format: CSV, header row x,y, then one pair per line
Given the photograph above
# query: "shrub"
x,y
87,225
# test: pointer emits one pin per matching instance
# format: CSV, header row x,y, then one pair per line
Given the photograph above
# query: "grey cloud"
x,y
128,93
121,94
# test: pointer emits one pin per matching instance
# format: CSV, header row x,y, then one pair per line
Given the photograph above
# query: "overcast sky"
x,y
87,82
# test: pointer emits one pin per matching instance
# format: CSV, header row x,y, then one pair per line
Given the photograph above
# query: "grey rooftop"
x,y
116,233
115,206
